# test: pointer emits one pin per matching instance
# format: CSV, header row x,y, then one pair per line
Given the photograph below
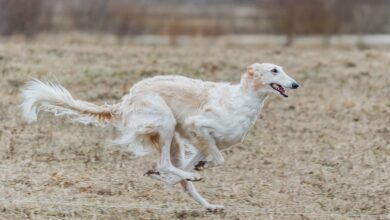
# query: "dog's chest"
x,y
234,125
232,132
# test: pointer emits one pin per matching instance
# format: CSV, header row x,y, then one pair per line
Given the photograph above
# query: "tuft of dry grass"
x,y
323,153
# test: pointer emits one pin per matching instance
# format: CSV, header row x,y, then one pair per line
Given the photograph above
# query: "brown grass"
x,y
323,153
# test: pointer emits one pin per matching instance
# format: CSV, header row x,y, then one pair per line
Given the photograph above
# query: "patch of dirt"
x,y
323,153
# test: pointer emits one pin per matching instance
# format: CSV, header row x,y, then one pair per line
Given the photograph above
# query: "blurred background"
x,y
174,19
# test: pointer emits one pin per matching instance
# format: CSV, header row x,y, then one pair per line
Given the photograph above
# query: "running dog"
x,y
172,115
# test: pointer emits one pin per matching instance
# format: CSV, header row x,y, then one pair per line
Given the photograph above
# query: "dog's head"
x,y
268,77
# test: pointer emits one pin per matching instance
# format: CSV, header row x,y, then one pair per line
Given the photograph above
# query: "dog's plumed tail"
x,y
52,97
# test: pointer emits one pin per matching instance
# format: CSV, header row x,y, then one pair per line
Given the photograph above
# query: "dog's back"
x,y
185,96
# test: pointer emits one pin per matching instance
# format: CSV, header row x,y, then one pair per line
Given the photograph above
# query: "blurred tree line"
x,y
208,18
327,17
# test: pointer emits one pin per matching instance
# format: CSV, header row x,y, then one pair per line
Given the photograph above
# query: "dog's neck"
x,y
249,101
257,93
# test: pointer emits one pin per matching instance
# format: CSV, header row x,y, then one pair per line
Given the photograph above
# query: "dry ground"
x,y
323,153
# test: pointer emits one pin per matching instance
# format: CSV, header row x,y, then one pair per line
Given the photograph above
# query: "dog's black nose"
x,y
294,86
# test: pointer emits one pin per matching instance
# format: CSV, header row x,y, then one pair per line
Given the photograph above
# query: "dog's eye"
x,y
274,70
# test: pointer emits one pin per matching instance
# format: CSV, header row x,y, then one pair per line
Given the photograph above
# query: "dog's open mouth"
x,y
279,88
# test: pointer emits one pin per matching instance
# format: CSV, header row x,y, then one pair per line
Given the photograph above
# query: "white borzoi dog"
x,y
168,114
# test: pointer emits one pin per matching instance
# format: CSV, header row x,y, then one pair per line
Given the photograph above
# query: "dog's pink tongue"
x,y
284,93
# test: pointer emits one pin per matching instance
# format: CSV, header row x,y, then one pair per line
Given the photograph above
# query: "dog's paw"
x,y
215,208
194,177
200,165
152,172
163,176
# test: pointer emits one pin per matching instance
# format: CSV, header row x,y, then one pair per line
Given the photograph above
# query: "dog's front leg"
x,y
200,162
206,144
190,189
206,163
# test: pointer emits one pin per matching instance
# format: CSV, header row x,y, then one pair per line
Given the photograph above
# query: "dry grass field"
x,y
323,153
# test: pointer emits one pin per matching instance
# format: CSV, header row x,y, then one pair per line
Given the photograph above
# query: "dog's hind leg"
x,y
177,158
165,163
161,134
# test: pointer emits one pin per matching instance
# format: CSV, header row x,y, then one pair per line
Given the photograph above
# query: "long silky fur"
x,y
52,97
